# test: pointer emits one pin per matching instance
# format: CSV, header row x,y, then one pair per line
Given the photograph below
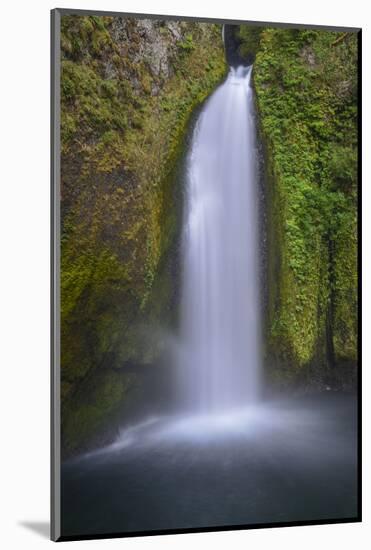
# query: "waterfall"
x,y
220,318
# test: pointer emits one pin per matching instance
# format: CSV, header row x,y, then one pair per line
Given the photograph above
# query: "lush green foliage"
x,y
306,87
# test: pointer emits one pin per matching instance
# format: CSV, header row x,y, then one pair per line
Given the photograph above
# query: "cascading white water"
x,y
220,333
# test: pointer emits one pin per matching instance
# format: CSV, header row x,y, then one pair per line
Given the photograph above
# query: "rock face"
x,y
306,90
128,87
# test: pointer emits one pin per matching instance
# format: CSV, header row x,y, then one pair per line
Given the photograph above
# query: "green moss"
x,y
306,93
250,39
86,414
187,44
122,131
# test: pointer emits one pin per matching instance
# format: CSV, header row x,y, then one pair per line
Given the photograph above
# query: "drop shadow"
x,y
41,528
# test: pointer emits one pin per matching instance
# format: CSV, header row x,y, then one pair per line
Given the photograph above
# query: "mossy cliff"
x,y
128,87
306,93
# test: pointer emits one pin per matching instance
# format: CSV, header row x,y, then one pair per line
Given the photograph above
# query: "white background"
x,y
24,256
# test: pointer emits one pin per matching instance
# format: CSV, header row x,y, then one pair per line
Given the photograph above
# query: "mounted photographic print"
x,y
205,274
